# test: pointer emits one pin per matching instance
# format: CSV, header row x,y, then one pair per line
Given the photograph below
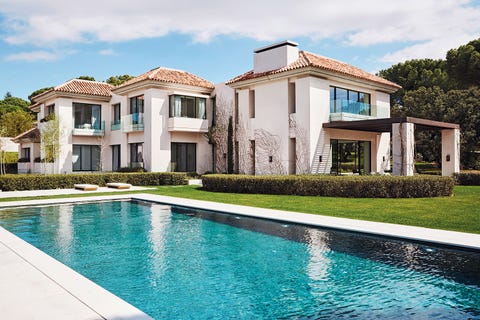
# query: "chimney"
x,y
275,56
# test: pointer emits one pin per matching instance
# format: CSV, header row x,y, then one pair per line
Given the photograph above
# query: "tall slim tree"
x,y
230,159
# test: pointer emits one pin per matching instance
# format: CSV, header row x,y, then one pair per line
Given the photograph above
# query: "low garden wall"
x,y
333,186
14,182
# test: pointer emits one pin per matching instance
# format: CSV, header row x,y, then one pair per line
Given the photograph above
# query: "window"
x,y
214,110
184,157
136,104
136,155
116,113
251,103
49,109
291,98
115,157
187,107
25,155
86,158
349,101
116,122
87,116
350,156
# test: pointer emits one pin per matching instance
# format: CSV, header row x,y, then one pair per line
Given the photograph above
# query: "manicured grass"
x,y
460,212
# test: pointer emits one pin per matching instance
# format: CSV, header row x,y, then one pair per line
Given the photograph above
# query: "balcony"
x,y
183,124
89,129
133,122
115,125
349,110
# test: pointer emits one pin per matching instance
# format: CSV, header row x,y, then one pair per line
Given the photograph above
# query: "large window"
x,y
136,104
25,155
188,107
115,157
136,155
350,157
86,158
116,117
87,116
349,101
184,157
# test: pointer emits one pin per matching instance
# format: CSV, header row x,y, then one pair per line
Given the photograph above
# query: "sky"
x,y
47,42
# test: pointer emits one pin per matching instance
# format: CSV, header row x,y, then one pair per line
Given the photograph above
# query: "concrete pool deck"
x,y
36,286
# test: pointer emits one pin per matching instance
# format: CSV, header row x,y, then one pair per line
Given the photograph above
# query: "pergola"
x,y
403,141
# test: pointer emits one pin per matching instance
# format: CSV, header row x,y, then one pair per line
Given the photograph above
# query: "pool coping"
x,y
109,306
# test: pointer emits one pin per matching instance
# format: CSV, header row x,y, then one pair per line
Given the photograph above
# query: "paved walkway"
x,y
55,192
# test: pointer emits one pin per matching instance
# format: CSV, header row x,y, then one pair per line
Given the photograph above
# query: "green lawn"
x,y
460,212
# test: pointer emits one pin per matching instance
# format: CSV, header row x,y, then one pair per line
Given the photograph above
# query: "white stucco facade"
x,y
89,144
280,119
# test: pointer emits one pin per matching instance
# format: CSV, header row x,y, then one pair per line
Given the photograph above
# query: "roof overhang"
x,y
385,124
53,94
314,72
149,83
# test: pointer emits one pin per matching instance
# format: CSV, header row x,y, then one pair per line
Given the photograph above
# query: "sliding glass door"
x,y
349,157
184,157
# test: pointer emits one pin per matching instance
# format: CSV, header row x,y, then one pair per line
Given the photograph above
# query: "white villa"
x,y
157,121
296,112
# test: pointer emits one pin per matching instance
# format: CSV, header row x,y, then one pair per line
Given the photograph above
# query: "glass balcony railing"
x,y
350,106
96,128
116,125
133,122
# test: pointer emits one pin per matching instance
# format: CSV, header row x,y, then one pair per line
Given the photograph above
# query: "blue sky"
x,y
47,42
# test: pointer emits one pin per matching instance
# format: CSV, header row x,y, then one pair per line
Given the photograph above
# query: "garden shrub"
x,y
16,182
333,186
468,178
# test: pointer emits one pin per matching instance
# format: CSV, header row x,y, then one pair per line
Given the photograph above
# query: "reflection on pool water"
x,y
180,263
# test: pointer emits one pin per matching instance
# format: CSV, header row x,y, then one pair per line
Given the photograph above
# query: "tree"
x,y
89,78
118,80
14,123
463,64
413,74
50,134
37,92
230,159
442,90
12,104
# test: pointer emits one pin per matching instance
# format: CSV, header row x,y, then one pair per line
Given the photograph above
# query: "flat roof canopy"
x,y
385,124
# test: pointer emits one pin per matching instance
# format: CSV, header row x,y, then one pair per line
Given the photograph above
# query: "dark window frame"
x,y
91,165
137,104
183,148
350,95
184,112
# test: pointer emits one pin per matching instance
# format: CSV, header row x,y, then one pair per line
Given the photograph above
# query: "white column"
x,y
450,152
403,149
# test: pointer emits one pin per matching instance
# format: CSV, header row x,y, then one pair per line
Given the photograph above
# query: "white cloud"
x,y
432,25
32,56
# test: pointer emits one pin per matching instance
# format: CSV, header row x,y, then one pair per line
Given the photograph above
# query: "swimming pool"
x,y
175,262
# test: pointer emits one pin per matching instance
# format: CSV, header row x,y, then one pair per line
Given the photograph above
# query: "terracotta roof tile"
x,y
80,86
167,75
85,87
307,59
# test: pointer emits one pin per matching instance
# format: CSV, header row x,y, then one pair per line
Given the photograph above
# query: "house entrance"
x,y
350,157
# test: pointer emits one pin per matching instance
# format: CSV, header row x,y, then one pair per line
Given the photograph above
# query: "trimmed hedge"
x,y
14,182
333,186
468,178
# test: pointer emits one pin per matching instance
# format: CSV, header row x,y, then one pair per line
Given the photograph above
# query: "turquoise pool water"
x,y
179,263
